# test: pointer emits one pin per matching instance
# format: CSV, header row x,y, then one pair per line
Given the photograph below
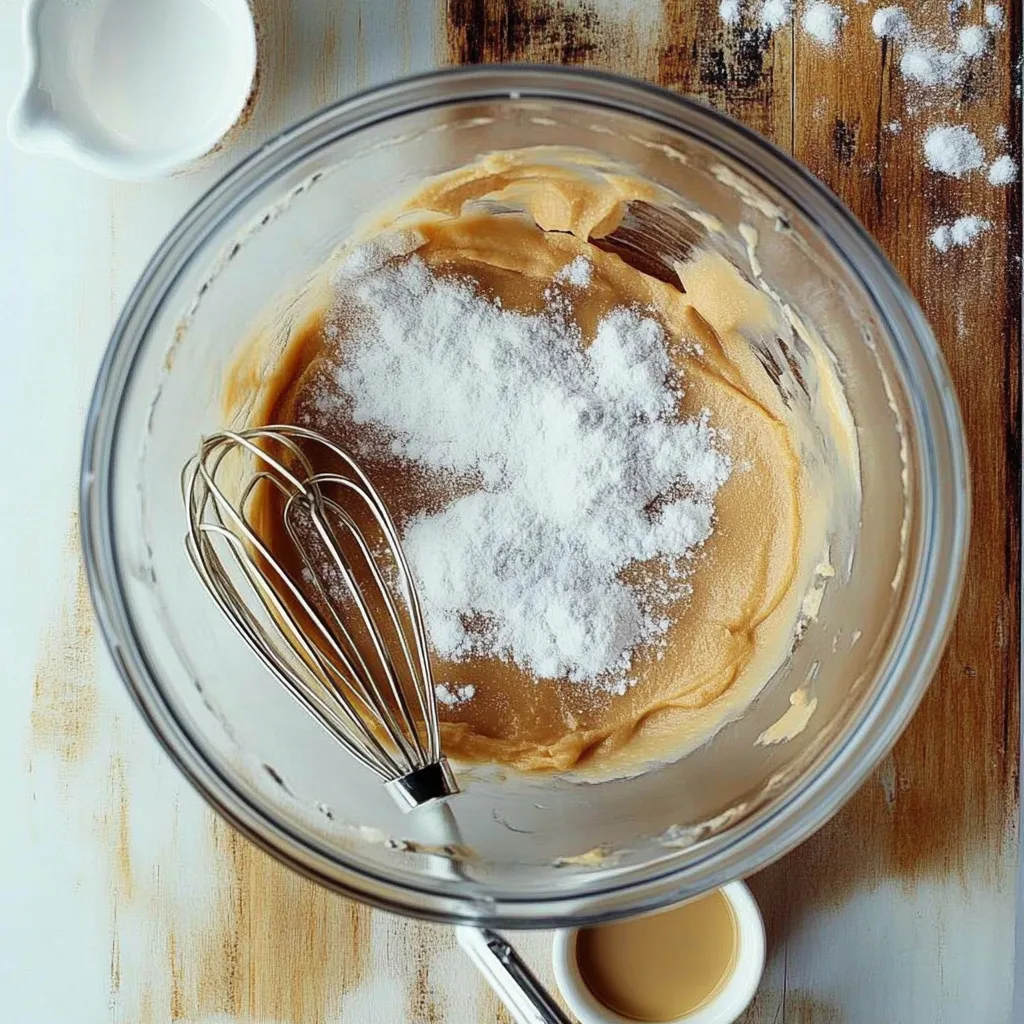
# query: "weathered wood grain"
x,y
944,805
745,70
948,799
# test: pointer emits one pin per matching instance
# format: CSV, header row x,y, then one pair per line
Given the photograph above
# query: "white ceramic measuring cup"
x,y
133,89
723,1008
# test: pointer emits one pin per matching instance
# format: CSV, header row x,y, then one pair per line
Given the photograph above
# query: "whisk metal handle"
x,y
515,984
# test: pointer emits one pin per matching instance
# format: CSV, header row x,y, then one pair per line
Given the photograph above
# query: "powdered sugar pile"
x,y
953,150
891,23
994,16
1002,171
583,468
962,232
775,14
824,22
729,11
973,40
577,272
926,65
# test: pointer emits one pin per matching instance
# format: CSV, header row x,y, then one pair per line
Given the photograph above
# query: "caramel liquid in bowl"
x,y
662,966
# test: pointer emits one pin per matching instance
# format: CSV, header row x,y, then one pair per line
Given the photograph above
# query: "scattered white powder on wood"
x,y
776,14
729,11
953,149
994,16
1002,171
929,66
582,468
894,127
973,40
824,22
891,23
961,233
452,696
966,229
577,273
921,62
1001,133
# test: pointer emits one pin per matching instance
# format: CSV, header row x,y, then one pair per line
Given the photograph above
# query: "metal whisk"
x,y
345,634
365,675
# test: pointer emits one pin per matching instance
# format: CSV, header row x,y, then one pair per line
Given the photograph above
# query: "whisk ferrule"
x,y
423,786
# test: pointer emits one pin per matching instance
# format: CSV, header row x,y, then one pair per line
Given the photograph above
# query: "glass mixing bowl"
x,y
544,851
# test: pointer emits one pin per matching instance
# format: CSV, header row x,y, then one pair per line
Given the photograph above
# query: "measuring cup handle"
x,y
523,995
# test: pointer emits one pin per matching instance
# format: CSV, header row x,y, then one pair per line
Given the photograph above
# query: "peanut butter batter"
x,y
511,223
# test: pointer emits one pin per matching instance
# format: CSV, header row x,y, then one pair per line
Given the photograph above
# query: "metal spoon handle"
x,y
515,984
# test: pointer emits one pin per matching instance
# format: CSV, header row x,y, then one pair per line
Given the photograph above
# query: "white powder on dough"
x,y
824,22
972,41
927,65
953,150
581,465
451,696
776,14
577,272
961,233
375,253
1002,171
891,23
994,16
729,11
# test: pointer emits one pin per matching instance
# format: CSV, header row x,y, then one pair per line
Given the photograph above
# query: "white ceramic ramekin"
x,y
723,1008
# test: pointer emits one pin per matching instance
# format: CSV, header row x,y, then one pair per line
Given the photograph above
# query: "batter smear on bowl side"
x,y
612,510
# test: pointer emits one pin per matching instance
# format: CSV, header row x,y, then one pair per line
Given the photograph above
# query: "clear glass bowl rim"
x,y
945,504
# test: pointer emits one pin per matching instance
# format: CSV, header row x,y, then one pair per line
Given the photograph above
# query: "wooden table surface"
x,y
123,899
